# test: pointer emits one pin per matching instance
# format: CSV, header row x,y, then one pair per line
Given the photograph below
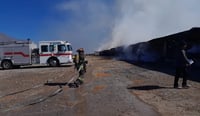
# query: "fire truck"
x,y
20,53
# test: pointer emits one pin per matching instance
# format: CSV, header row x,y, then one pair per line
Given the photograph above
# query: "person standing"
x,y
80,66
182,64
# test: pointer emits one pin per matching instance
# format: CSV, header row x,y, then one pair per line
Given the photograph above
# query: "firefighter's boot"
x,y
79,81
72,85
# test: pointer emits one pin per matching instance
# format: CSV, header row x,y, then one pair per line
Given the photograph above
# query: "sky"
x,y
97,24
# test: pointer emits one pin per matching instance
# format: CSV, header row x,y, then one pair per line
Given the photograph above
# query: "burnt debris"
x,y
159,49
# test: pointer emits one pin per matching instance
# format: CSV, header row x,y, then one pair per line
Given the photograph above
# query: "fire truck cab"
x,y
55,53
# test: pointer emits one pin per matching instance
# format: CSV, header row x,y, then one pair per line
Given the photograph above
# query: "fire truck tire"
x,y
6,64
53,62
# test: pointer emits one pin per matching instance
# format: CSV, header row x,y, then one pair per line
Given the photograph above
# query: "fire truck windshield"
x,y
69,47
61,48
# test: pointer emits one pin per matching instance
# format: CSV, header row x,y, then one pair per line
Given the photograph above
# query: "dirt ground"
x,y
111,88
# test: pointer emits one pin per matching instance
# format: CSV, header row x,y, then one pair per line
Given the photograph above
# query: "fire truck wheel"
x,y
6,64
53,62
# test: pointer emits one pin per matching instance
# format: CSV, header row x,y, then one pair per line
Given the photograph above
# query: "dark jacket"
x,y
181,58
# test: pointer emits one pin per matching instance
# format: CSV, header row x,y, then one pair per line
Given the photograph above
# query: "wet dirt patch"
x,y
98,88
102,75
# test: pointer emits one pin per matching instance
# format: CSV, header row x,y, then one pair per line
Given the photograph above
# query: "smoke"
x,y
103,24
84,23
195,49
142,20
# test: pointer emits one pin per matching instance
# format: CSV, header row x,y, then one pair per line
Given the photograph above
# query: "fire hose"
x,y
41,99
73,78
13,93
37,100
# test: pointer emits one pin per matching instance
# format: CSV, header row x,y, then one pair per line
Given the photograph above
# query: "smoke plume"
x,y
142,20
104,24
84,23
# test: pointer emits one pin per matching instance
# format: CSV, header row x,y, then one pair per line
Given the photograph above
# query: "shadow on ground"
x,y
56,84
148,87
169,68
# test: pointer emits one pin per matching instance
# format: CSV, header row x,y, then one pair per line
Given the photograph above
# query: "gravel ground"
x,y
111,88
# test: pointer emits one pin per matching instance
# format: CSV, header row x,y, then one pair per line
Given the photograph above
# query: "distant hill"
x,y
4,37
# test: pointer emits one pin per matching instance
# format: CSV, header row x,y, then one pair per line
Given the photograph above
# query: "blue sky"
x,y
97,24
51,20
22,18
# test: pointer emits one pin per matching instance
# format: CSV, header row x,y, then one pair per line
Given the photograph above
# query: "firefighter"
x,y
80,66
75,59
80,60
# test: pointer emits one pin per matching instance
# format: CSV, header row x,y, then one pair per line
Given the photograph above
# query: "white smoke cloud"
x,y
73,6
103,24
142,20
84,23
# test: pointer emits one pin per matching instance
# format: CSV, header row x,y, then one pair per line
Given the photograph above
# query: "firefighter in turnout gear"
x,y
80,66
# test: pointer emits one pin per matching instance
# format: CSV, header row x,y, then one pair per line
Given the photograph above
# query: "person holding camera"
x,y
182,64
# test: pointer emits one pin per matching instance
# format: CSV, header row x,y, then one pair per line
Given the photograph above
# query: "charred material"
x,y
159,49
